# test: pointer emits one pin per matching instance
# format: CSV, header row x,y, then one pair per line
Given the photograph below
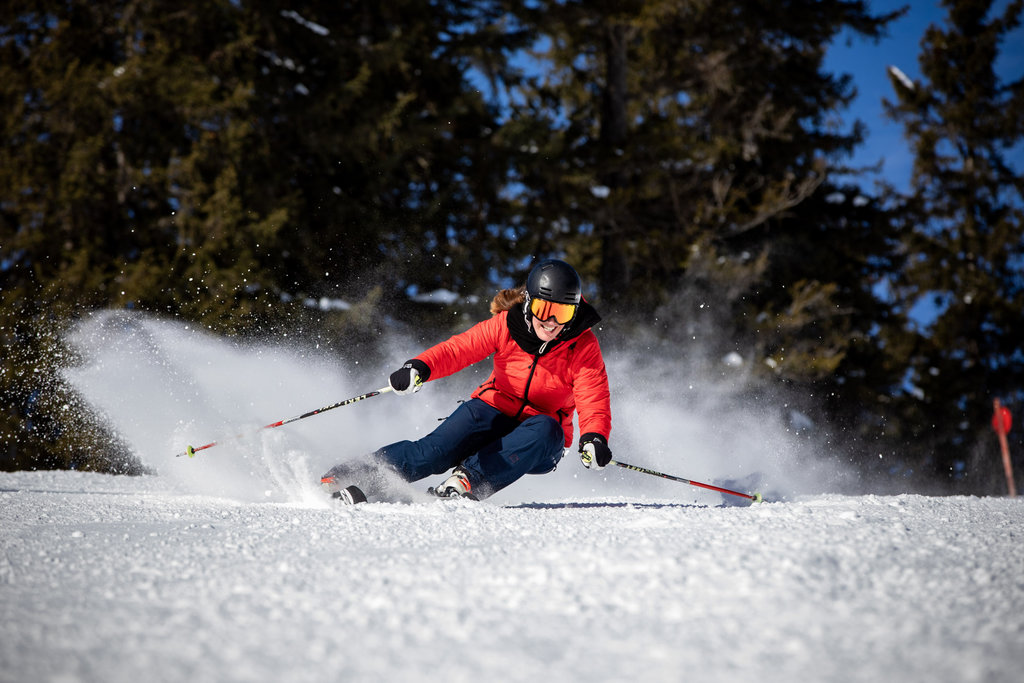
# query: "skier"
x,y
547,364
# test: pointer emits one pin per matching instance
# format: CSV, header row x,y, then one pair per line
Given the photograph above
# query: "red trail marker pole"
x,y
1001,422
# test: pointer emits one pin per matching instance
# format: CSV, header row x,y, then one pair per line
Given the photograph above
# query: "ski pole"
x,y
754,497
191,452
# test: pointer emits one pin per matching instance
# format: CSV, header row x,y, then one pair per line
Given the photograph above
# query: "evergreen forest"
x,y
228,162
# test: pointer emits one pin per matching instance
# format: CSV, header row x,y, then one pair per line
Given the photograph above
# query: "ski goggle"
x,y
544,310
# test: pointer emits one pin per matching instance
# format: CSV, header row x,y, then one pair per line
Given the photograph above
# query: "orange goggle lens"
x,y
544,310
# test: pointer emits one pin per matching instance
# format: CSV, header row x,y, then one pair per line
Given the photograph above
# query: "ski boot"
x,y
455,486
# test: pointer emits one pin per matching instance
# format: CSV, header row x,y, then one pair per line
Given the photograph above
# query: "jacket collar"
x,y
519,328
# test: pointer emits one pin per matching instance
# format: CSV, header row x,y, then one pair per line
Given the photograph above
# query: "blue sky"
x,y
867,61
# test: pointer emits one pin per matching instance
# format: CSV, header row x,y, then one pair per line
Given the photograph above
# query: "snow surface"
x,y
232,566
111,579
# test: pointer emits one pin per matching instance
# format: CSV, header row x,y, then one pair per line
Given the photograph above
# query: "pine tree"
x,y
682,156
126,147
966,251
369,123
222,161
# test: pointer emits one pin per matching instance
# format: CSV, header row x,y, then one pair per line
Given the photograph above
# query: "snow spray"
x,y
162,384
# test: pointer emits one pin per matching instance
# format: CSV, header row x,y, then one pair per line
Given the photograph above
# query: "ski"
x,y
350,495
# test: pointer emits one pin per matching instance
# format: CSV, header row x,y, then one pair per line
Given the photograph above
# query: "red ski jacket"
x,y
531,377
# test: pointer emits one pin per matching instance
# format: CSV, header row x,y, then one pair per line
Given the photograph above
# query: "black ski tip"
x,y
350,495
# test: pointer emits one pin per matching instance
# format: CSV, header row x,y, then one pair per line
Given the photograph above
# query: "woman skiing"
x,y
547,364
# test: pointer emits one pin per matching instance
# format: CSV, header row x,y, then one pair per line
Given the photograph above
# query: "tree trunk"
x,y
614,263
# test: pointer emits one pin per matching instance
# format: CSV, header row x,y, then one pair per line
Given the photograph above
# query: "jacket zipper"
x,y
529,380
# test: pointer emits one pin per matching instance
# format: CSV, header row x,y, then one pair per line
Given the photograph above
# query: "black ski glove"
x,y
594,451
410,377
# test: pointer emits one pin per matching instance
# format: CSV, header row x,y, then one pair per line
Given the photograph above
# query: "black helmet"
x,y
554,280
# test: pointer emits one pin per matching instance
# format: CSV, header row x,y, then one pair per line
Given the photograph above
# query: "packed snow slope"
x,y
118,579
233,566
